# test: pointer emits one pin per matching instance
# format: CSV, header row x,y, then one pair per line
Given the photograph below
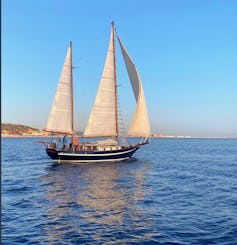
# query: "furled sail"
x,y
102,120
61,115
140,126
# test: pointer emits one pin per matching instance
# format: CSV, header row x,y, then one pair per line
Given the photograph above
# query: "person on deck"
x,y
64,142
75,143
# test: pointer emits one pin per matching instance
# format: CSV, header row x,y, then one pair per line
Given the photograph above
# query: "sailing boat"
x,y
103,121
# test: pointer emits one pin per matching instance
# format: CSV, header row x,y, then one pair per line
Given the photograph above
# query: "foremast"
x,y
72,93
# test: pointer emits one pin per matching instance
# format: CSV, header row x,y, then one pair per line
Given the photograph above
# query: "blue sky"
x,y
185,51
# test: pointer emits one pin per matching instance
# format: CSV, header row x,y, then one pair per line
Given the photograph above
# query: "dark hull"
x,y
97,156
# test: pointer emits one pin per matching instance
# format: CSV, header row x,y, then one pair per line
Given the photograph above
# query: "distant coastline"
x,y
164,137
9,130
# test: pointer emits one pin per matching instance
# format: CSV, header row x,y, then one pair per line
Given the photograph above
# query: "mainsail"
x,y
140,126
61,115
102,120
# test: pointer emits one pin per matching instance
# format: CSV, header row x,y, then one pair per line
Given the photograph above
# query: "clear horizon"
x,y
185,52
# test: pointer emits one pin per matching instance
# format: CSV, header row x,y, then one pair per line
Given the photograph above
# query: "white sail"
x,y
61,115
102,120
140,126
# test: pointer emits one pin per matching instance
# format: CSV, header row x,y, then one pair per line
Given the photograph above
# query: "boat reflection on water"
x,y
85,202
103,199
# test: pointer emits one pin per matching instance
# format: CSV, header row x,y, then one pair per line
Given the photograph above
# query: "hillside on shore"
x,y
10,129
17,129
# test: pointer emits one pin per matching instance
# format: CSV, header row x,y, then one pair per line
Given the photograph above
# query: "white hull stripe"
x,y
95,155
103,160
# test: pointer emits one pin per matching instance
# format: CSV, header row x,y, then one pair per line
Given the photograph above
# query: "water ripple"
x,y
174,192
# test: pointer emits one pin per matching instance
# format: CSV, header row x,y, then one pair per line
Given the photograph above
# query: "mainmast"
x,y
115,87
103,120
72,114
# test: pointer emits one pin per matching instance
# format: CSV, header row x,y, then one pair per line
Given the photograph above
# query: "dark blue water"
x,y
177,191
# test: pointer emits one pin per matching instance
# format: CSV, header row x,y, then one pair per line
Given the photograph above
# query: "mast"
x,y
103,120
115,86
72,114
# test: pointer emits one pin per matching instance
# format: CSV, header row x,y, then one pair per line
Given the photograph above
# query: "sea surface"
x,y
176,191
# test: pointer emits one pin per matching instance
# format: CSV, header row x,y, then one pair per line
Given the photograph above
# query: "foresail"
x,y
102,120
61,115
140,126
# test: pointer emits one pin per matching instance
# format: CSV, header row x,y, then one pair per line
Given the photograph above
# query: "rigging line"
x,y
121,120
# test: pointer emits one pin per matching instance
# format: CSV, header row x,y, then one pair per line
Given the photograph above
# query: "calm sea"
x,y
176,191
